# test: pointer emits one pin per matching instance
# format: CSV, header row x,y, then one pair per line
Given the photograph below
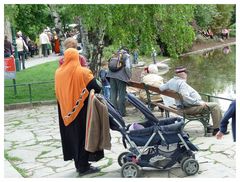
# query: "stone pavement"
x,y
32,149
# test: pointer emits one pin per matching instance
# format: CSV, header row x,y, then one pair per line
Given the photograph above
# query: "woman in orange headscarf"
x,y
72,86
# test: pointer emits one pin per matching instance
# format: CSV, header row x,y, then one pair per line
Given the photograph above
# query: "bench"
x,y
203,117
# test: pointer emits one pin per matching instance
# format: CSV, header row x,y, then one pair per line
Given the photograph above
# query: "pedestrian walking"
x,y
229,114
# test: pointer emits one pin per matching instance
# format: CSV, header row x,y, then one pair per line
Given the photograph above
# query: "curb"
x,y
28,105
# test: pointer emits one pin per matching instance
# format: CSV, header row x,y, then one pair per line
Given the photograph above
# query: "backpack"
x,y
116,64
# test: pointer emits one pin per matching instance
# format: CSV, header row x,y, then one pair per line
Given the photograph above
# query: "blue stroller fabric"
x,y
169,127
140,105
144,145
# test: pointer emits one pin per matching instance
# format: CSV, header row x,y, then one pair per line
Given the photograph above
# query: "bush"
x,y
232,30
108,51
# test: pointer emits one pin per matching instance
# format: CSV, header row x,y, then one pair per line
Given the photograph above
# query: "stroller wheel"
x,y
130,170
121,160
183,160
190,166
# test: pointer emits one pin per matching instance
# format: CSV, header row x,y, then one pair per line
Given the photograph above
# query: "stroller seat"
x,y
172,128
169,133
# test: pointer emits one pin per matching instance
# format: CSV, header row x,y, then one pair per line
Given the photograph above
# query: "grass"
x,y
13,161
40,79
36,84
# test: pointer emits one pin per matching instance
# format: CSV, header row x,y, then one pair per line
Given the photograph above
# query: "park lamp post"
x,y
15,49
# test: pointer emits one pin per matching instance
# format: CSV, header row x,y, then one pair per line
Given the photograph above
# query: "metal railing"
x,y
29,92
41,91
208,96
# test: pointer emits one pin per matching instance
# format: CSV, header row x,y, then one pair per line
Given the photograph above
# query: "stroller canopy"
x,y
140,105
115,119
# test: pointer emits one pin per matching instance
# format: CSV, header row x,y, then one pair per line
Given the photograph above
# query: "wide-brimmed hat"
x,y
181,69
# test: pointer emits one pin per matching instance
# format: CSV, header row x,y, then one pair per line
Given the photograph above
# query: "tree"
x,y
131,25
223,17
177,33
29,18
204,14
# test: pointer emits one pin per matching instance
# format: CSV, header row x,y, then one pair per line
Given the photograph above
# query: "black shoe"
x,y
90,170
226,132
209,129
215,131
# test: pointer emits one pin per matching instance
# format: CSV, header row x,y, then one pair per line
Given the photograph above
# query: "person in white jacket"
x,y
21,48
44,41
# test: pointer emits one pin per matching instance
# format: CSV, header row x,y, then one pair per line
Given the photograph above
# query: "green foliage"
x,y
11,12
140,25
108,51
204,14
223,17
132,25
176,32
29,18
233,30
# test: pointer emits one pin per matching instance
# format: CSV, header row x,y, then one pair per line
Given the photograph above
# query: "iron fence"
x,y
29,92
44,91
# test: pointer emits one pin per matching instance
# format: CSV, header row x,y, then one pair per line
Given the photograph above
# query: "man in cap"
x,y
192,101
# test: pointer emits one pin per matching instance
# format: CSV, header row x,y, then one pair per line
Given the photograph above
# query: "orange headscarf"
x,y
70,85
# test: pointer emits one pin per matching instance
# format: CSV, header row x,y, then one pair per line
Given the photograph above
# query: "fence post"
x,y
30,92
17,61
208,98
14,87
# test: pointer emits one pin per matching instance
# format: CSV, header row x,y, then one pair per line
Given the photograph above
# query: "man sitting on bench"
x,y
192,102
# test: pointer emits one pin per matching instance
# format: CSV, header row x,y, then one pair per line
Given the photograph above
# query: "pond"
x,y
212,72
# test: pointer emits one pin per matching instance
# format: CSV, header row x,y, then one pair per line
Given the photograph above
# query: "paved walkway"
x,y
33,149
36,60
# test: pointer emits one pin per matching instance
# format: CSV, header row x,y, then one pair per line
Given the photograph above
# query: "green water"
x,y
212,73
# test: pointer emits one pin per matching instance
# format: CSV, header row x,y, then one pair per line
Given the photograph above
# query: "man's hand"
x,y
204,104
219,135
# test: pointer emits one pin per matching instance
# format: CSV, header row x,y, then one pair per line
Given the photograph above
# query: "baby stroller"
x,y
160,144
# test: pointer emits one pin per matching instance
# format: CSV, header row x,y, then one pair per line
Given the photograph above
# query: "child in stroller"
x,y
159,144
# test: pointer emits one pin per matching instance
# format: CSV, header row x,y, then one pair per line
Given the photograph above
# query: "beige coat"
x,y
97,124
153,80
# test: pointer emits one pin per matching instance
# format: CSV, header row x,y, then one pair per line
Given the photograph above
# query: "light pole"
x,y
15,49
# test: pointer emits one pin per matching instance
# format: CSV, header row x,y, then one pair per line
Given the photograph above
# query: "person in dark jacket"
x,y
72,86
105,83
229,114
118,82
7,47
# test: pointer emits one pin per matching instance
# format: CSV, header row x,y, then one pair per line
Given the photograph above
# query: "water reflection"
x,y
213,73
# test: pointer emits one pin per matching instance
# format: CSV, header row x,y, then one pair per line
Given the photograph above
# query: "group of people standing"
x,y
49,42
46,43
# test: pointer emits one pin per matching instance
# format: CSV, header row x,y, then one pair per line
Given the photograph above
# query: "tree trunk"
x,y
84,38
93,50
97,50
